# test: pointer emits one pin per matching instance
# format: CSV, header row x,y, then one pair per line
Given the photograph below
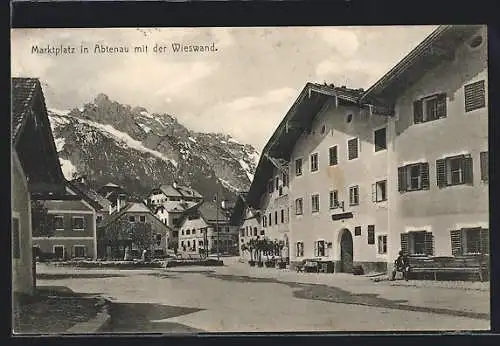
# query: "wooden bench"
x,y
478,265
309,265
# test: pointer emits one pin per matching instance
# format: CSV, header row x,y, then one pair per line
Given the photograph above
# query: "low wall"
x,y
114,264
182,263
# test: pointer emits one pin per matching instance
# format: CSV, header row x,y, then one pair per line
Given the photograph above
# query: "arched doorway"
x,y
346,251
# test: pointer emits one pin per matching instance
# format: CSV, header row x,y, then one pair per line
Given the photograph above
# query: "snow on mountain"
x,y
67,168
127,140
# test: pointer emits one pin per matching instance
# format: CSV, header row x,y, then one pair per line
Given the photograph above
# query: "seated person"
x,y
401,264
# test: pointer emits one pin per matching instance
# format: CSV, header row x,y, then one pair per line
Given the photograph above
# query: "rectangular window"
x,y
188,232
314,162
354,195
320,248
380,139
270,186
131,218
98,219
299,249
413,177
276,217
475,96
78,223
382,244
456,170
59,251
299,206
264,219
334,199
418,243
352,146
277,183
315,203
142,218
80,251
284,177
16,240
429,108
371,234
262,232
298,167
194,231
379,191
357,230
270,219
484,165
58,222
282,215
333,156
470,241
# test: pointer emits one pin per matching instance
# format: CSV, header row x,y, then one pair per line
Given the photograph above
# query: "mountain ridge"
x,y
108,141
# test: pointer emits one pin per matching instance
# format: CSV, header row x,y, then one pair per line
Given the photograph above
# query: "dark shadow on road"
x,y
139,317
337,295
45,276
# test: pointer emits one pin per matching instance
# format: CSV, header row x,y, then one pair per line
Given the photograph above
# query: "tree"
x,y
142,236
42,222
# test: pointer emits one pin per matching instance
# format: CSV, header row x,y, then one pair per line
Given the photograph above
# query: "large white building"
x,y
403,165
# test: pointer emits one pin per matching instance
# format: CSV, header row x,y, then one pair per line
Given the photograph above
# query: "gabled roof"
x,y
77,188
32,138
169,191
440,45
178,191
239,209
176,206
207,211
297,120
130,207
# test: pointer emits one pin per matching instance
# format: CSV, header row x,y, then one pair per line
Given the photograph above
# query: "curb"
x,y
95,325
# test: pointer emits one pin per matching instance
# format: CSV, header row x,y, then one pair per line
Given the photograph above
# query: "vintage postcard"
x,y
267,179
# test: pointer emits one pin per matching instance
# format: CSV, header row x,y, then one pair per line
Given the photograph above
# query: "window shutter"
x,y
374,192
475,97
418,113
485,241
441,106
315,249
371,234
404,243
429,244
456,242
401,179
424,174
467,165
484,166
441,172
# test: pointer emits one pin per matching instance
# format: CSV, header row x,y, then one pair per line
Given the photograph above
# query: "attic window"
x,y
323,129
349,118
476,41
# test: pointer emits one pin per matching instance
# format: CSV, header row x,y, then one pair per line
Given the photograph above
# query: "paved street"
x,y
236,298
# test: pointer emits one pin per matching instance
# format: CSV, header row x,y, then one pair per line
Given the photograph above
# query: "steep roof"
x,y
32,139
169,191
176,206
297,120
130,207
179,191
440,45
239,209
79,189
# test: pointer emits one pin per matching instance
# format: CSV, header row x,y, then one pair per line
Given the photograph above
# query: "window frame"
x,y
420,108
314,158
59,246
382,244
356,139
378,149
334,199
330,156
351,195
61,217
375,191
299,250
142,218
130,218
79,246
299,201
315,208
317,247
299,163
484,166
466,171
73,218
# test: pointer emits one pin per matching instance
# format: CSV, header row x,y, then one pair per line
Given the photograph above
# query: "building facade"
x,y
36,174
134,217
401,166
74,233
438,149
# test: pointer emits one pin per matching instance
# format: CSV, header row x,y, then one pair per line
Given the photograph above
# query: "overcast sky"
x,y
244,89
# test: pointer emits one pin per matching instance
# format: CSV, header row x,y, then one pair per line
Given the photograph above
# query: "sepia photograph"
x,y
250,179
